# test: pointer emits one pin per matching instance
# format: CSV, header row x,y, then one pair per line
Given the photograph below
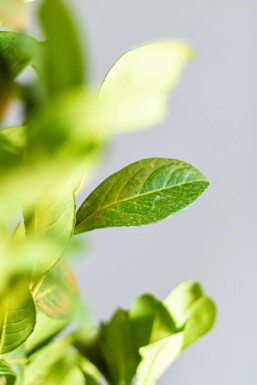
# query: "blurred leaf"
x,y
14,13
17,318
157,357
192,309
57,293
142,193
45,330
52,219
150,320
113,350
64,65
17,360
17,51
7,375
43,362
141,79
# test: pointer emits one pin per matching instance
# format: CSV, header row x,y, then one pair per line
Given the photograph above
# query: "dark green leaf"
x,y
142,193
113,350
192,309
17,318
64,67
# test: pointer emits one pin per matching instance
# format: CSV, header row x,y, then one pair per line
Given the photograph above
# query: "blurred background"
x,y
212,125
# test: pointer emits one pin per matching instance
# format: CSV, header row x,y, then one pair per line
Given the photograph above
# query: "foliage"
x,y
44,162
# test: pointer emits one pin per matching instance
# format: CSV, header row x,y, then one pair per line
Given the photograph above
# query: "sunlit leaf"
x,y
17,319
192,309
141,80
142,193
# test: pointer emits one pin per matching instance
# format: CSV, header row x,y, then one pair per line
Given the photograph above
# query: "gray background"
x,y
212,124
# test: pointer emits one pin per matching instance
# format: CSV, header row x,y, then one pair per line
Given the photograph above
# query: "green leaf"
x,y
192,309
140,82
157,357
113,350
7,375
64,67
57,293
17,51
142,193
17,318
150,320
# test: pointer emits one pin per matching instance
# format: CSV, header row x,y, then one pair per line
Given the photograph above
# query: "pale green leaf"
x,y
141,80
57,293
142,193
157,357
192,309
17,320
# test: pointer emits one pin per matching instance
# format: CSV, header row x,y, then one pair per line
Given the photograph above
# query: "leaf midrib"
x,y
136,196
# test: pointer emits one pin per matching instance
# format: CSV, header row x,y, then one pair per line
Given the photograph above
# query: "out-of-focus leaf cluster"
x,y
44,161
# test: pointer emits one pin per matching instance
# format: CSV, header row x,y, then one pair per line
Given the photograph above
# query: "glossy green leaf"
x,y
191,308
113,350
17,51
7,375
64,66
142,193
17,320
57,293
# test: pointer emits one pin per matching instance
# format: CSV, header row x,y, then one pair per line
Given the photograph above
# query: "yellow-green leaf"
x,y
142,193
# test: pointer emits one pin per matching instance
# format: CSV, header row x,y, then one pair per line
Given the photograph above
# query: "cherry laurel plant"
x,y
44,161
